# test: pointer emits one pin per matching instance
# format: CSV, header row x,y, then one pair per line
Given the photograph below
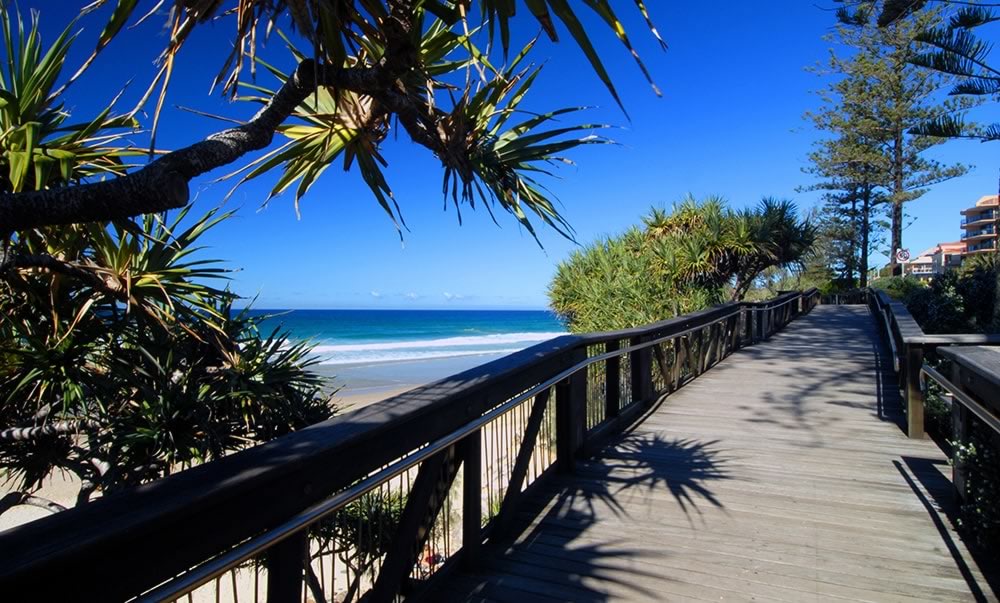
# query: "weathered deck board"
x,y
780,475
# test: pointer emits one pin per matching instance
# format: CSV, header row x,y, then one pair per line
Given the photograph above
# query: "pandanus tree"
x,y
700,253
120,361
411,62
122,357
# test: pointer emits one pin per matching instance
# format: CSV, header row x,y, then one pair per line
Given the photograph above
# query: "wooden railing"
x,y
973,390
377,502
911,348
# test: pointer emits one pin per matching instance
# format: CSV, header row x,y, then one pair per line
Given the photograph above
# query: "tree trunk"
x,y
851,261
897,199
866,212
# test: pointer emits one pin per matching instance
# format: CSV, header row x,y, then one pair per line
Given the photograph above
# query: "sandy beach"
x,y
356,386
359,385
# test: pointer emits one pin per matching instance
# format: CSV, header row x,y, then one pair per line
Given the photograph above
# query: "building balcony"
x,y
987,245
989,231
976,218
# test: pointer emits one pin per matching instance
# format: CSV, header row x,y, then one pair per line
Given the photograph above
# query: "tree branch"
x,y
18,434
163,183
15,499
111,286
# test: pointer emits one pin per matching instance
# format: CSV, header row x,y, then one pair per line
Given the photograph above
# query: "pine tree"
x,y
852,166
875,109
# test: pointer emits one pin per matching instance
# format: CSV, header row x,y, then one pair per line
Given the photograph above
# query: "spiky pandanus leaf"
x,y
121,359
40,148
334,27
681,261
486,158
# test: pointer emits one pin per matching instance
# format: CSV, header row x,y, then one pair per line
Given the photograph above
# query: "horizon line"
x,y
410,309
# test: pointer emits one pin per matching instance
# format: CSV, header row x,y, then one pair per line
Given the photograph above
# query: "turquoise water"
x,y
352,337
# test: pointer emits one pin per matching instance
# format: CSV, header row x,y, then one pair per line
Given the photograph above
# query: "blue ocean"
x,y
352,337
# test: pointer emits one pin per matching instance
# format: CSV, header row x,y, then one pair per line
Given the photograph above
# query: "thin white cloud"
x,y
411,295
376,294
450,296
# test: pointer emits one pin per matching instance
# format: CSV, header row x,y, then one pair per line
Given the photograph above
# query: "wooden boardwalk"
x,y
780,475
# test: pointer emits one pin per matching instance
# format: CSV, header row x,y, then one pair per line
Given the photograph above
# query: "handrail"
x,y
910,345
127,543
977,409
218,566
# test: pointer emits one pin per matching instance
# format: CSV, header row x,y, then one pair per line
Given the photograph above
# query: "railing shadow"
x,y
937,494
576,539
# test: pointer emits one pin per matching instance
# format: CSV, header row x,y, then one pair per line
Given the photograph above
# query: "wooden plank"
x,y
779,474
571,416
612,381
285,562
914,393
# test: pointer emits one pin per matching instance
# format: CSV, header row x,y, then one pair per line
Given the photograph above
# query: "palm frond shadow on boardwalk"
x,y
775,475
804,383
549,551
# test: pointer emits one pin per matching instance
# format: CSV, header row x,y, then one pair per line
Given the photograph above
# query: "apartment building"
x,y
934,261
979,225
980,234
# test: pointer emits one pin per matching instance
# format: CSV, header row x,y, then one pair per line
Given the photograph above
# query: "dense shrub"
x,y
698,254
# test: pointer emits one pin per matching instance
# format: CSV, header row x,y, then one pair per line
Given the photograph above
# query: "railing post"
x,y
612,381
472,498
703,349
960,426
571,416
285,567
677,365
914,395
640,364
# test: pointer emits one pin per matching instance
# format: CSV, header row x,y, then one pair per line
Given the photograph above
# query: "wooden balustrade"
x,y
911,348
499,429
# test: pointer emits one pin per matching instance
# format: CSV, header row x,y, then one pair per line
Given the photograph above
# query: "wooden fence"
x,y
376,503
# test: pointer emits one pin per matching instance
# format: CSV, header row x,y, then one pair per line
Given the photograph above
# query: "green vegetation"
x,y
360,535
966,300
122,359
424,66
952,47
120,362
699,254
876,157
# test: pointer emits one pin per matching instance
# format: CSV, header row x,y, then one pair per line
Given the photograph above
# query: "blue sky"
x,y
729,123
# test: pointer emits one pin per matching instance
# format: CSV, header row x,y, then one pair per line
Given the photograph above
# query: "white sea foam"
x,y
499,339
399,351
376,357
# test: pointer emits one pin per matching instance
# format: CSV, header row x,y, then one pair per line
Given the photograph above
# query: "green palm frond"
x,y
497,163
336,28
40,149
489,156
547,12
